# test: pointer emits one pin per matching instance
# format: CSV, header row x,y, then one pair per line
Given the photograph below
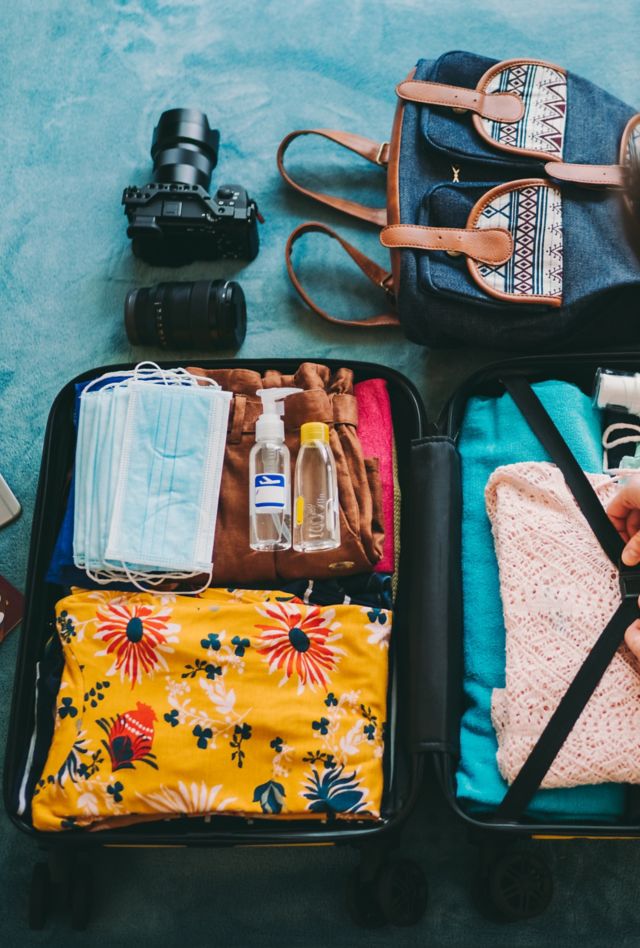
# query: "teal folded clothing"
x,y
495,433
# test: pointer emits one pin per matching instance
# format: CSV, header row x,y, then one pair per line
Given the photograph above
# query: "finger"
x,y
620,523
632,637
633,522
631,552
627,498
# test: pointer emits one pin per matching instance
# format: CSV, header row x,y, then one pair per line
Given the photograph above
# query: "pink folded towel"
x,y
559,590
375,430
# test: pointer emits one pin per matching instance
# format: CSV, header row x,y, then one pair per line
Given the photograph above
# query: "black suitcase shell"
x,y
437,494
403,766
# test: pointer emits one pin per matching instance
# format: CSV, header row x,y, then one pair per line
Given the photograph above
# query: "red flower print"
x,y
299,640
130,737
136,634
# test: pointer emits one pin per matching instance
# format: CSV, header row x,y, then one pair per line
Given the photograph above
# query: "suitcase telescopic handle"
x,y
435,606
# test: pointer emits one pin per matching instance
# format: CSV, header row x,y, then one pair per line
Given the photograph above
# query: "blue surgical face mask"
x,y
108,408
166,500
148,469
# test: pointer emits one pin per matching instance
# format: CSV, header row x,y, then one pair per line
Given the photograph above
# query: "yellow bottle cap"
x,y
314,431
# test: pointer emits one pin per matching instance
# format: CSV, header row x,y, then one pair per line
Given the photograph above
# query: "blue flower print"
x,y
332,793
116,791
270,796
204,735
322,725
331,700
370,731
67,708
66,628
277,744
240,645
213,671
241,732
212,641
377,615
172,718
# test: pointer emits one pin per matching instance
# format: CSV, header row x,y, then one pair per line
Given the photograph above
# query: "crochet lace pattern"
x,y
559,590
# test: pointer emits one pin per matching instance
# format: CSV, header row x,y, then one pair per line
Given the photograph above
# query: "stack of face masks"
x,y
149,458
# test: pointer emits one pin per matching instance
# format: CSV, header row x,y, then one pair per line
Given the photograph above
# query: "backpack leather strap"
x,y
376,152
497,106
492,245
601,176
375,273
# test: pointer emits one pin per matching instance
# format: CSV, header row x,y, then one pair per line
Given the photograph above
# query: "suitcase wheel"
x,y
39,896
402,891
81,896
396,895
519,885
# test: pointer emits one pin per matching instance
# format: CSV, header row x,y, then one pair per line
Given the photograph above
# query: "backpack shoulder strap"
x,y
375,273
376,152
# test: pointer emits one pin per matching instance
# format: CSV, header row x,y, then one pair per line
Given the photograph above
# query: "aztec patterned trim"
x,y
633,145
543,90
533,215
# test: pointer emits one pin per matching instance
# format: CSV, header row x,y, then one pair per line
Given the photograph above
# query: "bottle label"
x,y
270,492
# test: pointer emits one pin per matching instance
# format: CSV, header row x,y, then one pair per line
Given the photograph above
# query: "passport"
x,y
11,607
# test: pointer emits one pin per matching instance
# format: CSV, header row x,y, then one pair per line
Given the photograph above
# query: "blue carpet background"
x,y
83,85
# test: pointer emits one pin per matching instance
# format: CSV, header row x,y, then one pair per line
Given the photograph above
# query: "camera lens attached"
x,y
206,314
173,220
184,148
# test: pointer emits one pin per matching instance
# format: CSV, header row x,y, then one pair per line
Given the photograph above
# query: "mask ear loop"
x,y
609,443
119,378
163,577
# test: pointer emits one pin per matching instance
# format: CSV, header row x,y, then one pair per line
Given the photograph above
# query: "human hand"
x,y
624,513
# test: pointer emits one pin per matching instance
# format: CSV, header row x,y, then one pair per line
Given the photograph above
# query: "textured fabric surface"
x,y
559,590
435,289
533,215
494,433
178,706
375,431
83,86
543,90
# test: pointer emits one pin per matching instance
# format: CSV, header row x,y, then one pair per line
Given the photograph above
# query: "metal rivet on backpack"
x,y
453,253
458,110
342,564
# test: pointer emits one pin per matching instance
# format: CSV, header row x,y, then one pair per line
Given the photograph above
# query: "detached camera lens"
x,y
207,314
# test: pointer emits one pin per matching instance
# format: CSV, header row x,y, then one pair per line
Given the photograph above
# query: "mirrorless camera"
x,y
174,220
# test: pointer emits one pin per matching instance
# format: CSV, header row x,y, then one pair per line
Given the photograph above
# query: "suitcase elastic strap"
x,y
573,702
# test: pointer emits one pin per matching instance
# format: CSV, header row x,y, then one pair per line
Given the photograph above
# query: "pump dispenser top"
x,y
269,425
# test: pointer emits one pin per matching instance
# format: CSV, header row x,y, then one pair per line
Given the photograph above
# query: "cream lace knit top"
x,y
559,590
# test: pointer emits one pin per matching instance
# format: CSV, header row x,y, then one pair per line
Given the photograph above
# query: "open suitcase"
x,y
513,881
383,889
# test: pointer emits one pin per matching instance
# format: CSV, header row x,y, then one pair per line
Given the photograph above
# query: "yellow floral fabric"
x,y
235,701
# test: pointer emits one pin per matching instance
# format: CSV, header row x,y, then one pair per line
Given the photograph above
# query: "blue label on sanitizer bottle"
x,y
269,492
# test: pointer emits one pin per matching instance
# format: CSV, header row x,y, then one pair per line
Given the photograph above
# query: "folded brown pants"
x,y
327,398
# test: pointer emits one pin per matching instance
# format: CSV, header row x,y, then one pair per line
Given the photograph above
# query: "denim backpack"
x,y
505,215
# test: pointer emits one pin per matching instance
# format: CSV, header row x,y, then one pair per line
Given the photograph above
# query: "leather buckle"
x,y
386,283
378,159
629,582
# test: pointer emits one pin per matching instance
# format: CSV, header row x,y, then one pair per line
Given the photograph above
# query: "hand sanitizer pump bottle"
x,y
270,476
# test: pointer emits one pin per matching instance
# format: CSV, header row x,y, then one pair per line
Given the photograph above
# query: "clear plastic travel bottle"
x,y
269,476
316,524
